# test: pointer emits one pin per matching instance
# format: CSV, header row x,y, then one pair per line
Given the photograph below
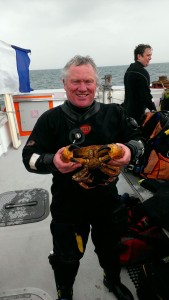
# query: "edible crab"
x,y
94,157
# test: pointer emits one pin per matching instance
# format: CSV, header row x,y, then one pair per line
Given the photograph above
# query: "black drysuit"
x,y
76,210
137,91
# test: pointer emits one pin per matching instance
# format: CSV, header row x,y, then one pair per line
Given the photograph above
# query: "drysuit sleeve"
x,y
145,92
38,152
134,141
137,150
36,162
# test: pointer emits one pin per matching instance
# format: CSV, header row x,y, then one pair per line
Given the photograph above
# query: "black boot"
x,y
64,298
64,293
118,289
64,277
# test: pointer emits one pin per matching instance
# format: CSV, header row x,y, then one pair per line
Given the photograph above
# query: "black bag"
x,y
144,240
164,101
154,280
157,206
155,131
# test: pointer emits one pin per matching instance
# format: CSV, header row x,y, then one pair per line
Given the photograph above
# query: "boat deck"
x,y
25,248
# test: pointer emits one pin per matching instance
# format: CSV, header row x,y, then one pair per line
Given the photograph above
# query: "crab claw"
x,y
111,151
103,147
73,146
67,154
105,153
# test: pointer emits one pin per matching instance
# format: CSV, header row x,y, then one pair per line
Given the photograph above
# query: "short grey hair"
x,y
79,60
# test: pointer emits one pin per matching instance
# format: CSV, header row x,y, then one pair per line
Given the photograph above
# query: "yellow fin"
x,y
79,242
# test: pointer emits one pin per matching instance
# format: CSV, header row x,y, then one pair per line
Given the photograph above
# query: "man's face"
x,y
146,57
80,85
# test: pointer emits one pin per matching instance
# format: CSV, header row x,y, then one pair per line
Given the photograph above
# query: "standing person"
x,y
137,84
76,210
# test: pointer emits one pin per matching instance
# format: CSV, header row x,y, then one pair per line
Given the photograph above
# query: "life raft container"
x,y
162,82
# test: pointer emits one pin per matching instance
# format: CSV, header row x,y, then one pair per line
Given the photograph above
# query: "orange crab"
x,y
94,157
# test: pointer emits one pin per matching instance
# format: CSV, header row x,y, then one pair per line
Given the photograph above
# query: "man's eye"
x,y
75,82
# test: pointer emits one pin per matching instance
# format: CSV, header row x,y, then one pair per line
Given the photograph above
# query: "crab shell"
x,y
93,157
94,153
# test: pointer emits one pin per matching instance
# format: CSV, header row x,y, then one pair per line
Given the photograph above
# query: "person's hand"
x,y
123,161
62,166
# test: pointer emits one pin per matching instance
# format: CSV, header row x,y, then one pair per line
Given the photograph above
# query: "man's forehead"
x,y
82,71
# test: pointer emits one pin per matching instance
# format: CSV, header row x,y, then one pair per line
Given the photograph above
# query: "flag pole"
x,y
13,125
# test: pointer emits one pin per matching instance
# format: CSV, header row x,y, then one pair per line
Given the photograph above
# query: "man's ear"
x,y
139,56
63,83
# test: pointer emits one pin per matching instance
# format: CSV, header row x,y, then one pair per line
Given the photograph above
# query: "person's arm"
x,y
132,151
38,152
35,160
145,92
137,149
131,139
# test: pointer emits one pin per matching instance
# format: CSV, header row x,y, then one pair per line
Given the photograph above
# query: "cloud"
x,y
56,30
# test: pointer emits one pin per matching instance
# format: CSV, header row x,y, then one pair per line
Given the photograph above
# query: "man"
x,y
83,122
138,96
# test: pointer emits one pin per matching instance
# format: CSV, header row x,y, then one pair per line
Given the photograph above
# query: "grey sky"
x,y
108,31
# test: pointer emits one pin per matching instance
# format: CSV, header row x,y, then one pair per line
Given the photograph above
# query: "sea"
x,y
51,78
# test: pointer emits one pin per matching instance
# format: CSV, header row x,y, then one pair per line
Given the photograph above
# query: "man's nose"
x,y
82,86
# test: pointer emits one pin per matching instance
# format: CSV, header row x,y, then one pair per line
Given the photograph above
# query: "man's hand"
x,y
124,160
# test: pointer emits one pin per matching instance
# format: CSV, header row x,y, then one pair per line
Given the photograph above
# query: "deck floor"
x,y
25,248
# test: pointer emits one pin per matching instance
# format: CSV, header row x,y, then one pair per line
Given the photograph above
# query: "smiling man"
x,y
91,203
80,85
138,96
